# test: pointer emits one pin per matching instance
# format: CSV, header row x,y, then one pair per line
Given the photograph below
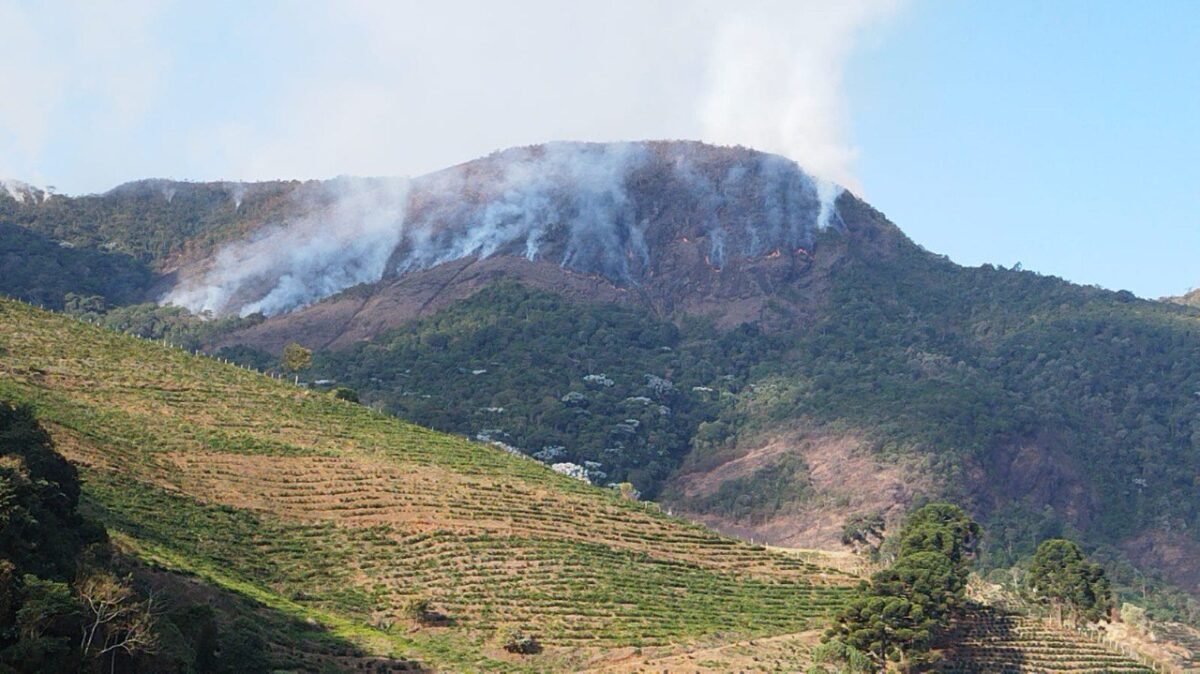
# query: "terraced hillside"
x,y
1188,638
993,641
340,516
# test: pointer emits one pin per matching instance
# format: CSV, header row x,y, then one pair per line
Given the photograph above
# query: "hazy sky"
x,y
1063,135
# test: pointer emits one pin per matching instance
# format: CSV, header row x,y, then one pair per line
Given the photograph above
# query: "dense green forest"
x,y
608,388
38,269
970,363
115,245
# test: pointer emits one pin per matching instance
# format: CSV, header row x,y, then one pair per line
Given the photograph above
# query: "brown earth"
x,y
844,480
783,653
1038,472
362,313
682,284
1178,557
1190,298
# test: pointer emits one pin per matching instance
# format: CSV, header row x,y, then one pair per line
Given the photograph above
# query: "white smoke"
x,y
763,73
359,230
14,189
21,191
290,265
775,81
237,194
578,186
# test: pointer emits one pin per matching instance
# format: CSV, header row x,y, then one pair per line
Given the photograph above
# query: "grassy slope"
x,y
327,511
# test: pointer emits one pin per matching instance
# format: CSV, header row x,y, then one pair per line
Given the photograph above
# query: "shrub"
x,y
421,611
522,643
417,609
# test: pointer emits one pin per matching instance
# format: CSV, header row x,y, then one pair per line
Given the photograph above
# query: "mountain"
x,y
671,228
744,343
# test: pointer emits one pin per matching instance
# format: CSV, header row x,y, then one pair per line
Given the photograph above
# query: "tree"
x,y
243,650
41,530
1061,576
864,532
421,611
628,491
345,393
50,619
944,528
296,357
115,618
522,643
847,659
45,627
902,606
929,579
886,628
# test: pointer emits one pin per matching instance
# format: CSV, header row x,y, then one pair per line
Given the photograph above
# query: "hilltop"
x,y
1190,298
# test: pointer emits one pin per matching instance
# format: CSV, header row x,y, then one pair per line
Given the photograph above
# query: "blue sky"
x,y
1063,135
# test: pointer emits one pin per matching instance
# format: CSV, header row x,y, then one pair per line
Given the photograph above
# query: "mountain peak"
x,y
617,211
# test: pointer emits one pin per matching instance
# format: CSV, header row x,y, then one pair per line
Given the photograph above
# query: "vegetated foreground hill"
x,y
324,510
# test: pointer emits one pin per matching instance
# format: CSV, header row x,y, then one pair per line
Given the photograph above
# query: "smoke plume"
x,y
344,240
586,206
775,81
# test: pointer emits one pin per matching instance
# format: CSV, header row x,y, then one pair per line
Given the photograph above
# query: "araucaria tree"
x,y
1061,576
895,619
